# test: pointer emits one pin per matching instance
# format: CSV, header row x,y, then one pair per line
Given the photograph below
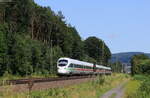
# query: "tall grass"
x,y
91,89
8,76
138,87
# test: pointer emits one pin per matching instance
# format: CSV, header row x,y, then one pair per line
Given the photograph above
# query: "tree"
x,y
32,38
117,67
3,48
92,47
97,49
77,45
135,63
145,66
106,54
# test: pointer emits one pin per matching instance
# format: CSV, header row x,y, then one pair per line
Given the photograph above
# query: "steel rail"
x,y
38,80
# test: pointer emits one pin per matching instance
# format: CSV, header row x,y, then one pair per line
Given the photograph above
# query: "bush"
x,y
140,77
142,84
144,90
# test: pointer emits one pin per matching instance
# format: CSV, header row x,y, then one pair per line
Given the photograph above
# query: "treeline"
x,y
32,38
117,67
140,64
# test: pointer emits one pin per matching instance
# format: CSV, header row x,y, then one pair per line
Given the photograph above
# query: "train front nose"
x,y
62,67
62,71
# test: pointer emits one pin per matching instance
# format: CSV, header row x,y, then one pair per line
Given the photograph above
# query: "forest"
x,y
32,38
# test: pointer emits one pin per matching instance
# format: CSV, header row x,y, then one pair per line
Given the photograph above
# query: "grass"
x,y
138,87
7,76
91,89
113,95
131,88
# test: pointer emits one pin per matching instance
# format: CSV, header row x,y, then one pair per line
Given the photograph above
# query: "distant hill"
x,y
125,57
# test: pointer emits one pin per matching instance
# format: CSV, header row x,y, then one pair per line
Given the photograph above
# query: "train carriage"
x,y
67,66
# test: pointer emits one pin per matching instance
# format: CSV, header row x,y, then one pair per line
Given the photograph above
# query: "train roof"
x,y
103,67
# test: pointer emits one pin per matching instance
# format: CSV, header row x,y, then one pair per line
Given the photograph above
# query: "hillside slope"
x,y
125,57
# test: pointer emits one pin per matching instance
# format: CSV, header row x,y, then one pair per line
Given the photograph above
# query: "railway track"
x,y
38,80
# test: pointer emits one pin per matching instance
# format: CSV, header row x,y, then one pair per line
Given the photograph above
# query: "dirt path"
x,y
117,92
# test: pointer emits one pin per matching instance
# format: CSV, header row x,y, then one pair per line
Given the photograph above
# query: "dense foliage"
x,y
32,38
97,49
140,64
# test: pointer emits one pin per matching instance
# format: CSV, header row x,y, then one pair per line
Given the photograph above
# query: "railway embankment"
x,y
81,88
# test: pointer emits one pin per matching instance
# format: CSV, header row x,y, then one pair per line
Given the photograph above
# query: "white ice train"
x,y
67,66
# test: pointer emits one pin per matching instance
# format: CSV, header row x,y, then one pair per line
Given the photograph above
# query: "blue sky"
x,y
123,24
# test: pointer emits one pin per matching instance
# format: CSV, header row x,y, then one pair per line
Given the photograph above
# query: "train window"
x,y
78,66
91,67
62,63
85,67
88,67
75,65
71,65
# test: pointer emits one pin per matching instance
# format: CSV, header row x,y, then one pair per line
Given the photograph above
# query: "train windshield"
x,y
62,63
